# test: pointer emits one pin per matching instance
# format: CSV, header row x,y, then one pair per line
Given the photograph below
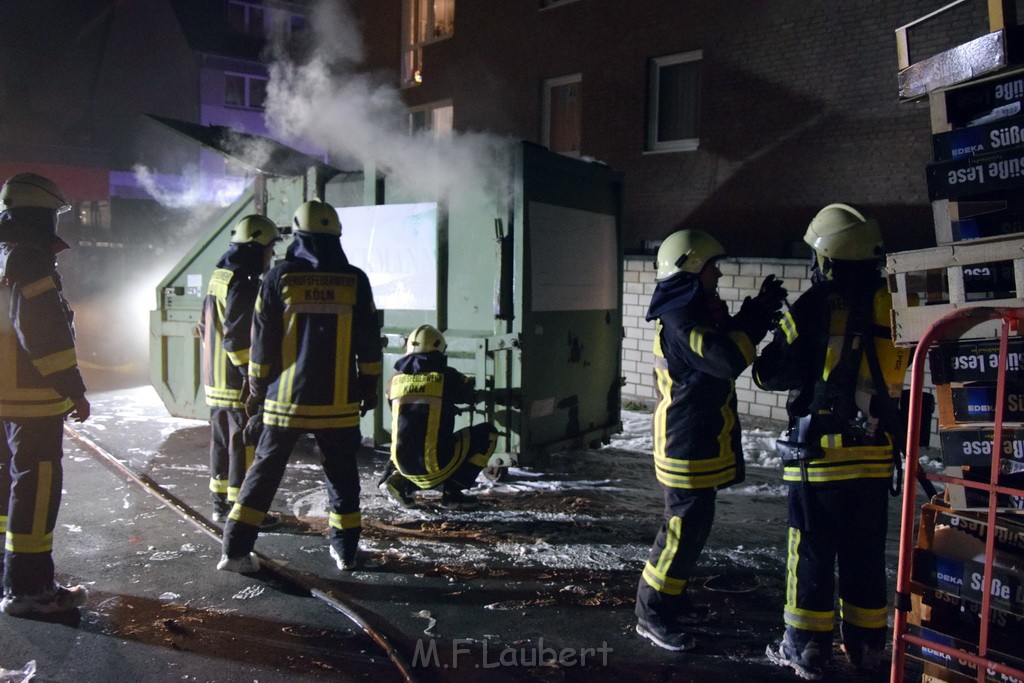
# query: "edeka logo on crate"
x,y
965,578
977,403
973,175
982,139
974,360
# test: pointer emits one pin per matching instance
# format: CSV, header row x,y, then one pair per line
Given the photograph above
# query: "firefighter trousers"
x,y
689,513
837,525
338,449
31,477
228,461
474,447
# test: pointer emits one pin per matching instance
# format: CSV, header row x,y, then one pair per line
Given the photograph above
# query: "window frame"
x,y
413,41
430,109
247,90
651,143
549,84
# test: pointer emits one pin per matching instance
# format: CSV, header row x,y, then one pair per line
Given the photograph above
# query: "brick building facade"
x,y
798,104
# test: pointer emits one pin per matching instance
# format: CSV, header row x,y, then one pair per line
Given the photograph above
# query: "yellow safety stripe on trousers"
x,y
233,493
656,575
863,616
481,459
39,540
218,485
55,362
349,520
3,524
245,515
28,543
744,344
36,288
792,615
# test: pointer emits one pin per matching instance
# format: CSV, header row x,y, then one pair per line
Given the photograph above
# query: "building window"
x,y
244,90
673,102
439,118
256,20
423,21
246,18
561,120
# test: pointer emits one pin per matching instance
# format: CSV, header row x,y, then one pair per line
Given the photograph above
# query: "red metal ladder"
x,y
947,327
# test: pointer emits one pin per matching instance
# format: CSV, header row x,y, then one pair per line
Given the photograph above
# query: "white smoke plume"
x,y
328,103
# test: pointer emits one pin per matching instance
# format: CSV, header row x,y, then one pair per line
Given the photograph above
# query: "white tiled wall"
x,y
740,278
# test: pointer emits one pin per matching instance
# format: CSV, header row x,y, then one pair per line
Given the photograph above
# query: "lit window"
x,y
562,114
439,118
423,21
673,102
244,90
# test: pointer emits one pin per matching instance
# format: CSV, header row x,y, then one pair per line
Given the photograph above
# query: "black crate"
x,y
975,360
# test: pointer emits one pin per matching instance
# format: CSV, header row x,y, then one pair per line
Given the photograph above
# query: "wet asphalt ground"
x,y
538,585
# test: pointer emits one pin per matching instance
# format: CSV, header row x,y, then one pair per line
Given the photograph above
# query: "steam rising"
x,y
353,115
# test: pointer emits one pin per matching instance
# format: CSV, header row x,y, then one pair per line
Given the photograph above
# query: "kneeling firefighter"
x,y
834,353
426,451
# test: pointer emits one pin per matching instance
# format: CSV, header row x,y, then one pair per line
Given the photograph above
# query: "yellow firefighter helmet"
x,y
255,229
318,217
424,339
686,251
30,189
842,233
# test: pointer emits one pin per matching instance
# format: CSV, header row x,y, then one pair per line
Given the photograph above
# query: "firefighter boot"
x,y
805,653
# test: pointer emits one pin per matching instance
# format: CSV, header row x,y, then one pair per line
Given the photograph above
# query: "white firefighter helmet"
x,y
686,251
842,233
424,339
318,217
255,229
30,189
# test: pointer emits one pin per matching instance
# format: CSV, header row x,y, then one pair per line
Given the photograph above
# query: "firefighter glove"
x,y
367,393
253,405
253,429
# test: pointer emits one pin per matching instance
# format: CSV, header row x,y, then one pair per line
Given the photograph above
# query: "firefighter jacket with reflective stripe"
x,y
315,341
38,366
422,397
226,323
806,357
698,354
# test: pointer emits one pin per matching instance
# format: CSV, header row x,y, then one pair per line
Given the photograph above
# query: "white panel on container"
x,y
396,245
573,259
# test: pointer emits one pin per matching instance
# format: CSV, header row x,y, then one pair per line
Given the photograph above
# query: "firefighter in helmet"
x,y
39,386
314,367
224,329
699,351
426,451
834,353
